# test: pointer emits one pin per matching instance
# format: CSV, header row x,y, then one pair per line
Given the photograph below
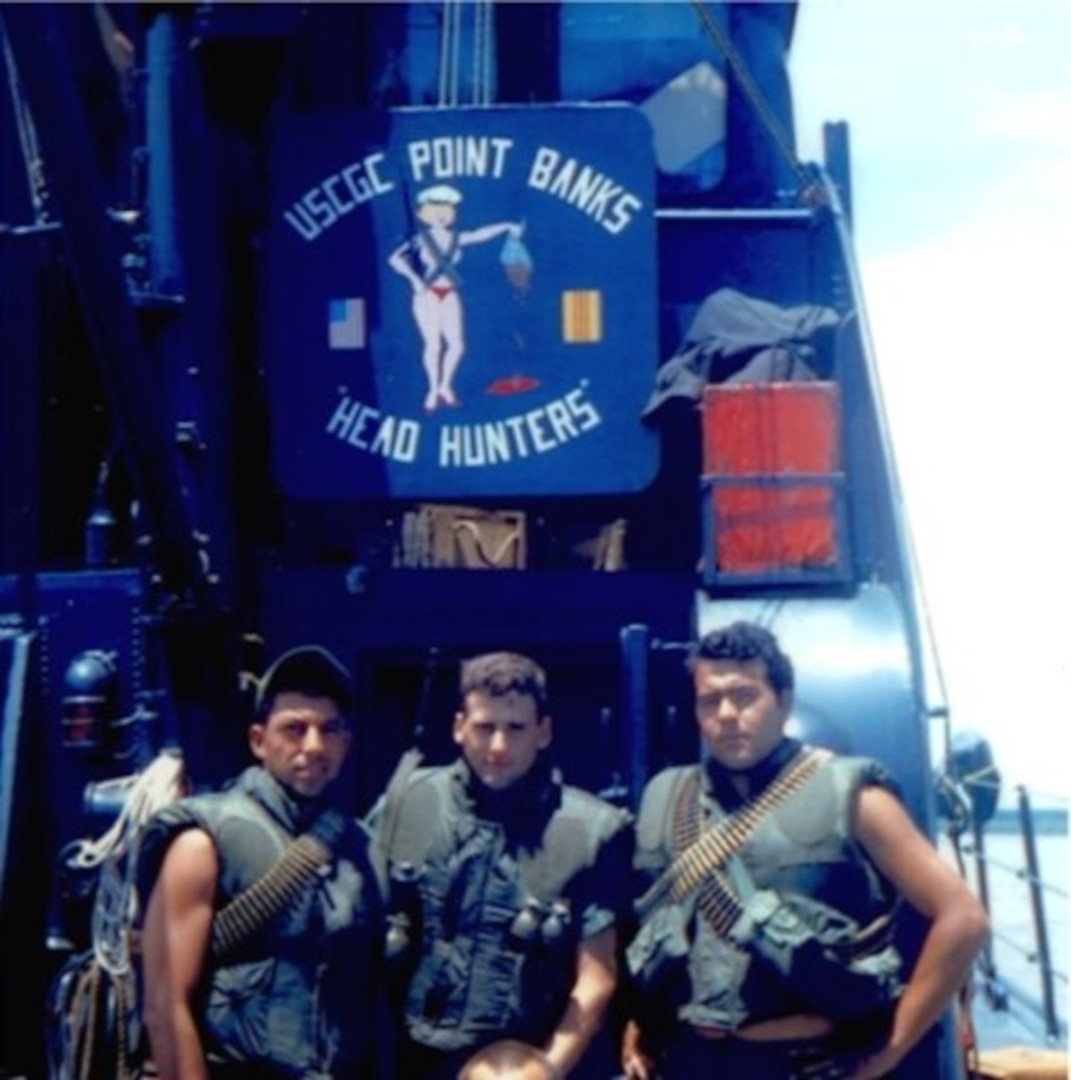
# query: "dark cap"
x,y
306,669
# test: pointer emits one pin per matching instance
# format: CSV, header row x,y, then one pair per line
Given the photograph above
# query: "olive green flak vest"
x,y
804,851
289,1000
504,903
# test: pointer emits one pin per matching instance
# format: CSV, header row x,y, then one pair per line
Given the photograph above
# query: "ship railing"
x,y
1018,880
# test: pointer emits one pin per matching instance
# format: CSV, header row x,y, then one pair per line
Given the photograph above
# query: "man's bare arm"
x,y
636,1063
178,927
958,925
596,977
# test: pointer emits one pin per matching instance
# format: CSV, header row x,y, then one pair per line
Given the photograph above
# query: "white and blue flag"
x,y
345,324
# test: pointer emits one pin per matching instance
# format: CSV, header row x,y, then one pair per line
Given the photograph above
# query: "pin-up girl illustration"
x,y
428,260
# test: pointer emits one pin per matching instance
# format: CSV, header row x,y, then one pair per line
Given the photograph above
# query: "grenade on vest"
x,y
404,918
538,923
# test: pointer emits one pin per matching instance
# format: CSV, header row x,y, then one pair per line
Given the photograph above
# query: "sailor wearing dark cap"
x,y
287,980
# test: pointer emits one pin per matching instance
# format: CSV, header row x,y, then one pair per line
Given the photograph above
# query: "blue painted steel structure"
x,y
177,494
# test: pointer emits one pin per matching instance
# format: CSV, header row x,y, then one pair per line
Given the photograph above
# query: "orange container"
x,y
771,429
773,432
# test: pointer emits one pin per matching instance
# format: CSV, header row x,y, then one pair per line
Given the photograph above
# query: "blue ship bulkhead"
x,y
420,329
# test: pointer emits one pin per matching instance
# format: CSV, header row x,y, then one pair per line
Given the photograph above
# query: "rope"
x,y
490,557
87,1015
754,95
450,51
483,52
115,911
123,1004
161,782
31,152
87,996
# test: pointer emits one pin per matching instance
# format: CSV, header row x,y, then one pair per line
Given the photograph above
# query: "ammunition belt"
x,y
702,857
269,895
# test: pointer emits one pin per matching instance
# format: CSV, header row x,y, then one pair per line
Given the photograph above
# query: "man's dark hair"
x,y
506,1056
501,673
745,641
310,670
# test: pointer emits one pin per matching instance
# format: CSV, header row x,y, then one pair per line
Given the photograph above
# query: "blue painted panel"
x,y
660,56
448,311
856,683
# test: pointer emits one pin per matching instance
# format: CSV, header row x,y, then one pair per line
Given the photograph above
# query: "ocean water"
x,y
1014,948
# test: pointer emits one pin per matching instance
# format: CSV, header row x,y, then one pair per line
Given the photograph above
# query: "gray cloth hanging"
x,y
739,338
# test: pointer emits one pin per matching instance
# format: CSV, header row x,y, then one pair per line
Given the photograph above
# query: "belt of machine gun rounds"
x,y
269,895
702,860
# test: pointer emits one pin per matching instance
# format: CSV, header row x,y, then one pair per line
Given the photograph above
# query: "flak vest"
x,y
297,998
804,851
499,925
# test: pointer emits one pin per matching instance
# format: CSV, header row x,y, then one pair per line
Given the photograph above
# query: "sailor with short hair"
x,y
300,992
765,947
510,885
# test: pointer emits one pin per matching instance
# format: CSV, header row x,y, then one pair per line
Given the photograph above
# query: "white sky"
x,y
960,126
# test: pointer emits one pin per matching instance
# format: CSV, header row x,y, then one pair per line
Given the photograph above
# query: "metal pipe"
x,y
981,877
164,48
130,379
20,374
635,653
1037,905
